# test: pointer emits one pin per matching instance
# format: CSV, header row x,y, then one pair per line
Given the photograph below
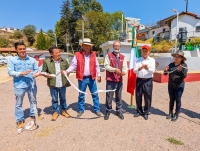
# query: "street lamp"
x,y
122,20
83,19
177,13
127,20
55,39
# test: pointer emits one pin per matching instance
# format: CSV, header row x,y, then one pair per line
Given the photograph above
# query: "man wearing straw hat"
x,y
116,66
87,69
144,69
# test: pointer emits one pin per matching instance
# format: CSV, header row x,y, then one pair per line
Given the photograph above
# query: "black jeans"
x,y
175,94
144,87
118,95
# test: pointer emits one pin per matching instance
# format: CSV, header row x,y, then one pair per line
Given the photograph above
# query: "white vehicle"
x,y
3,61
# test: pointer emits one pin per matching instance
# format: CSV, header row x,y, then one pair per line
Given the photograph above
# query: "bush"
x,y
4,42
17,34
162,46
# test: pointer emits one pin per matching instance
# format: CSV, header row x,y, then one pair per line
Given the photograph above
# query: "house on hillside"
x,y
159,31
166,28
8,29
186,19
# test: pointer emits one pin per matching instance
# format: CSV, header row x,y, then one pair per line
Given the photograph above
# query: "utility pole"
x,y
122,20
186,6
177,26
67,43
55,39
82,29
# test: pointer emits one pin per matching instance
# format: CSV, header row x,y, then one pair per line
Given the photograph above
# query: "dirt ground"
x,y
93,133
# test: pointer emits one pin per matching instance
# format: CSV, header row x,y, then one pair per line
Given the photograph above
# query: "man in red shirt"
x,y
87,69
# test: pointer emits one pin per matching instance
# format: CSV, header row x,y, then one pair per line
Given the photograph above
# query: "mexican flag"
x,y
131,84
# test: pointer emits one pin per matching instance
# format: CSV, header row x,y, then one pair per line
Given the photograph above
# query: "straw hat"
x,y
180,53
86,41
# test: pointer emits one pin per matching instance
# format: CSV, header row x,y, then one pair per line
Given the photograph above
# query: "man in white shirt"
x,y
116,67
144,69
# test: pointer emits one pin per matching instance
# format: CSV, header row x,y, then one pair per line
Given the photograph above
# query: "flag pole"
x,y
131,106
134,44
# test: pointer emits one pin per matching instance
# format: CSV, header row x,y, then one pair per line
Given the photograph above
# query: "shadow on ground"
x,y
27,112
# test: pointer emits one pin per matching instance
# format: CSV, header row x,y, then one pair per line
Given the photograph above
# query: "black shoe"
x,y
32,117
175,117
146,116
120,115
98,114
79,114
106,117
170,116
137,114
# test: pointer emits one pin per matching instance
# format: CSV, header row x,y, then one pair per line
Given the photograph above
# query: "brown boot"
x,y
54,116
65,114
40,117
20,124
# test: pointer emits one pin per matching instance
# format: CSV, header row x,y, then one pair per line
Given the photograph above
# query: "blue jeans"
x,y
19,96
175,94
54,91
81,98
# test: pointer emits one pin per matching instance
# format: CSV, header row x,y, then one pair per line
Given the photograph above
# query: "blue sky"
x,y
44,13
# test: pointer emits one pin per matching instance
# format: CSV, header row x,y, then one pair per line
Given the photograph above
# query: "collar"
x,y
146,58
83,52
27,58
61,59
118,55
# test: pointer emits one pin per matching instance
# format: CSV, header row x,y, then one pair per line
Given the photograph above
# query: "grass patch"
x,y
174,141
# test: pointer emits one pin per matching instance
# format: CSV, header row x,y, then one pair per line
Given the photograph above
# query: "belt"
x,y
144,78
87,76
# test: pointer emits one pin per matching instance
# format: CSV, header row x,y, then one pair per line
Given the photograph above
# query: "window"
x,y
181,28
164,29
153,32
129,25
197,28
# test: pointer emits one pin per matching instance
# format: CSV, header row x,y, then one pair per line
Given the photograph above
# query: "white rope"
x,y
73,84
54,75
177,69
98,91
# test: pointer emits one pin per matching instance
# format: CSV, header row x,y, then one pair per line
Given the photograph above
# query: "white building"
x,y
190,21
9,29
133,21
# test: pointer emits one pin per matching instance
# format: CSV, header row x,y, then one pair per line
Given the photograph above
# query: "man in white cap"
x,y
87,69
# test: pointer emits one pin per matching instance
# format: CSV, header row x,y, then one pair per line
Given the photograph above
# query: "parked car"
x,y
3,61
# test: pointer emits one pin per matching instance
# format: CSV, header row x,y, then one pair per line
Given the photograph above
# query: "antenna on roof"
x,y
186,6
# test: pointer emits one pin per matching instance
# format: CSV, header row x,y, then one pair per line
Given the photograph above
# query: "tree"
x,y
70,13
17,34
4,42
51,37
41,43
98,27
96,6
80,7
30,32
